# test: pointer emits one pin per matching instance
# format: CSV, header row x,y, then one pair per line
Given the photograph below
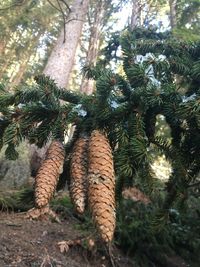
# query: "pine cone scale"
x,y
48,174
78,173
101,183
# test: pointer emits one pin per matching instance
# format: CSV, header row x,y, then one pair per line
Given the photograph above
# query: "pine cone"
x,y
48,174
101,188
78,173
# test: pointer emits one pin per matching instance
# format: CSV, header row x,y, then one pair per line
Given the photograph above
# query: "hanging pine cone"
x,y
78,173
48,174
101,188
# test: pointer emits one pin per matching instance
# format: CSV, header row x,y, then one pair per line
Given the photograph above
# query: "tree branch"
x,y
53,5
67,6
195,184
64,20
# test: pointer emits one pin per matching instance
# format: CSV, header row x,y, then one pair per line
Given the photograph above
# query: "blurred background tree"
x,y
28,31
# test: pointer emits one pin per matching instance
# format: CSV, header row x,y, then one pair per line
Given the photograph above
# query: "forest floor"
x,y
25,243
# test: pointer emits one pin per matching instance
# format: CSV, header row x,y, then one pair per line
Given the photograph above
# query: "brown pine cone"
x,y
78,173
48,174
101,188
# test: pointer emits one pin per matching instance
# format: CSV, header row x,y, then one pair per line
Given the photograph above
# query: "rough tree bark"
x,y
61,60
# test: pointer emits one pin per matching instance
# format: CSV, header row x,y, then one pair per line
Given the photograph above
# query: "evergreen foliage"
x,y
153,248
160,77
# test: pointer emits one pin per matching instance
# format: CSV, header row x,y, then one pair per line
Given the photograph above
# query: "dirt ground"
x,y
25,243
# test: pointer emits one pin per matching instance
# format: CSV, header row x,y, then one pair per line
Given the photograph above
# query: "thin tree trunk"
x,y
3,61
9,56
136,14
2,47
172,6
4,67
61,60
16,79
87,85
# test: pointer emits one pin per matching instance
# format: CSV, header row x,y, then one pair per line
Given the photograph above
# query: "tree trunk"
x,y
61,60
4,62
4,67
87,85
17,78
136,14
172,6
25,58
102,11
2,47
